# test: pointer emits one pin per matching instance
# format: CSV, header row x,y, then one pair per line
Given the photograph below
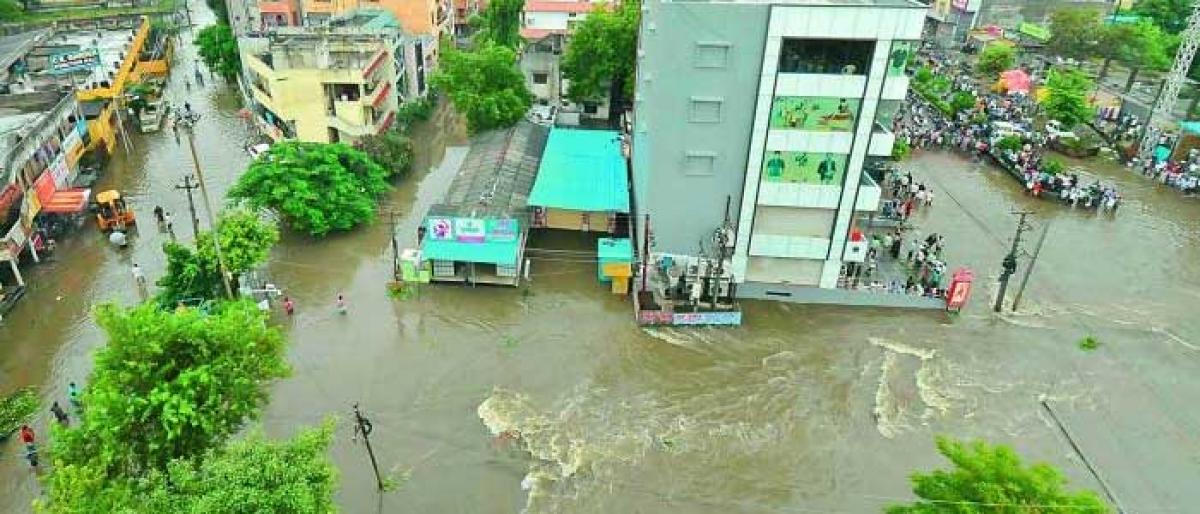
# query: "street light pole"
x,y
1037,250
188,119
1010,261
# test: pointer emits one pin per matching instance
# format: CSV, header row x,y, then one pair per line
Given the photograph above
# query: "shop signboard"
x,y
707,318
960,4
470,230
30,207
441,229
503,230
1034,31
44,187
58,171
15,239
77,60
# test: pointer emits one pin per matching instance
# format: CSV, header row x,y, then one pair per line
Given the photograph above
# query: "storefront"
x,y
473,250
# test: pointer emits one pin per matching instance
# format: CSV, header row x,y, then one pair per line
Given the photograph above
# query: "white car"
x,y
1054,129
257,150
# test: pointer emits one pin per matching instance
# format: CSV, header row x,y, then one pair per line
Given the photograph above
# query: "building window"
x,y
590,108
705,110
699,163
825,56
540,78
712,54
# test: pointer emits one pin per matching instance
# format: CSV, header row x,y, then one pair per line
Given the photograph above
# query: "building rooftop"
x,y
17,45
558,6
914,4
112,44
497,175
582,170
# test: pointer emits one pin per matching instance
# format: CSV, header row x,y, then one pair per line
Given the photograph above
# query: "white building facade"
x,y
777,107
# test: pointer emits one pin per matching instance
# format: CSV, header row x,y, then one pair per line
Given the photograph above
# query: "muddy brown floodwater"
x,y
805,409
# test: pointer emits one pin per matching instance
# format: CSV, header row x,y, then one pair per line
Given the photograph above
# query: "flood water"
x,y
804,409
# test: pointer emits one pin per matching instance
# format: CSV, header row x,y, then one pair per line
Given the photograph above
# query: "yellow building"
x,y
336,84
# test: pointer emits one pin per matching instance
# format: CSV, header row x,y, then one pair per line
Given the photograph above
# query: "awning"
x,y
67,201
500,253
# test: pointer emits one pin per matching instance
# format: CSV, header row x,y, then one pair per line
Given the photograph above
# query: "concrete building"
x,y
546,27
336,82
753,123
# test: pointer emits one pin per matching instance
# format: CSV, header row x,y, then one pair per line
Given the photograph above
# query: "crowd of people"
x,y
1183,174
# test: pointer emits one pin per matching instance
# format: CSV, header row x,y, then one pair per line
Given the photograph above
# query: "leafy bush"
x,y
1010,143
16,409
962,101
1053,166
923,75
413,111
900,149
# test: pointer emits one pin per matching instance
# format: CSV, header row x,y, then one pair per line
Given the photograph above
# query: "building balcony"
x,y
869,194
882,141
820,85
895,87
789,247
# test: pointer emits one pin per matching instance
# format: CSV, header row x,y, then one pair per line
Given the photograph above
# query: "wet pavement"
x,y
805,409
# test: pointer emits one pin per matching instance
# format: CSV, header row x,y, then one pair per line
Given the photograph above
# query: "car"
x,y
1054,129
542,114
257,150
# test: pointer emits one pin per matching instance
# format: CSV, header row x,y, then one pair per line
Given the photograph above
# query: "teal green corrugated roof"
x,y
614,250
582,170
488,253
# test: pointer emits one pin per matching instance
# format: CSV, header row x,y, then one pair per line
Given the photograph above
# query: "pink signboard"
x,y
960,4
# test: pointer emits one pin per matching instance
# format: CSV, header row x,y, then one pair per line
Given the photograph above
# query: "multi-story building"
x,y
337,82
753,123
546,26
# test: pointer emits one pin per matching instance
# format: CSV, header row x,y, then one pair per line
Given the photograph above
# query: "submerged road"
x,y
805,409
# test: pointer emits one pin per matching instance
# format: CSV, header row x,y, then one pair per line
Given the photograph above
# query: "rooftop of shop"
x,y
497,175
17,45
582,170
112,44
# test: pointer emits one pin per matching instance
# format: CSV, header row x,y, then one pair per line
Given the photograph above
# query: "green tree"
x,y
1138,45
996,58
993,479
962,101
219,50
900,149
253,475
170,384
1170,15
499,23
1074,33
10,10
485,86
193,273
601,58
393,150
316,187
220,9
1067,100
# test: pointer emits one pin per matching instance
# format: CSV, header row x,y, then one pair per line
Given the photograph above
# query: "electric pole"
x,y
188,186
1010,261
1037,250
188,119
363,426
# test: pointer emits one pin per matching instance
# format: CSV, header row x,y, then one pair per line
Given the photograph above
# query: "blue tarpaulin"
x,y
582,170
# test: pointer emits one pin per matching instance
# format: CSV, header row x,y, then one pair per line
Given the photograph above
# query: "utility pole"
x,y
395,248
188,119
1037,250
363,426
1010,261
188,186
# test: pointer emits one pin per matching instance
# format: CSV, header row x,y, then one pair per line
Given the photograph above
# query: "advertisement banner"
x,y
502,230
804,168
814,113
440,229
78,60
44,187
15,239
30,208
59,171
470,230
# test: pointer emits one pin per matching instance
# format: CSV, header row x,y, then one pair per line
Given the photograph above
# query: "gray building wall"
x,y
686,204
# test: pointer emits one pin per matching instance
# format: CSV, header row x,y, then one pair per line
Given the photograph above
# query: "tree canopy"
x,y
193,273
219,50
316,187
993,479
485,86
601,58
962,101
253,475
996,58
1074,33
1170,15
393,150
10,10
1067,100
170,384
499,23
